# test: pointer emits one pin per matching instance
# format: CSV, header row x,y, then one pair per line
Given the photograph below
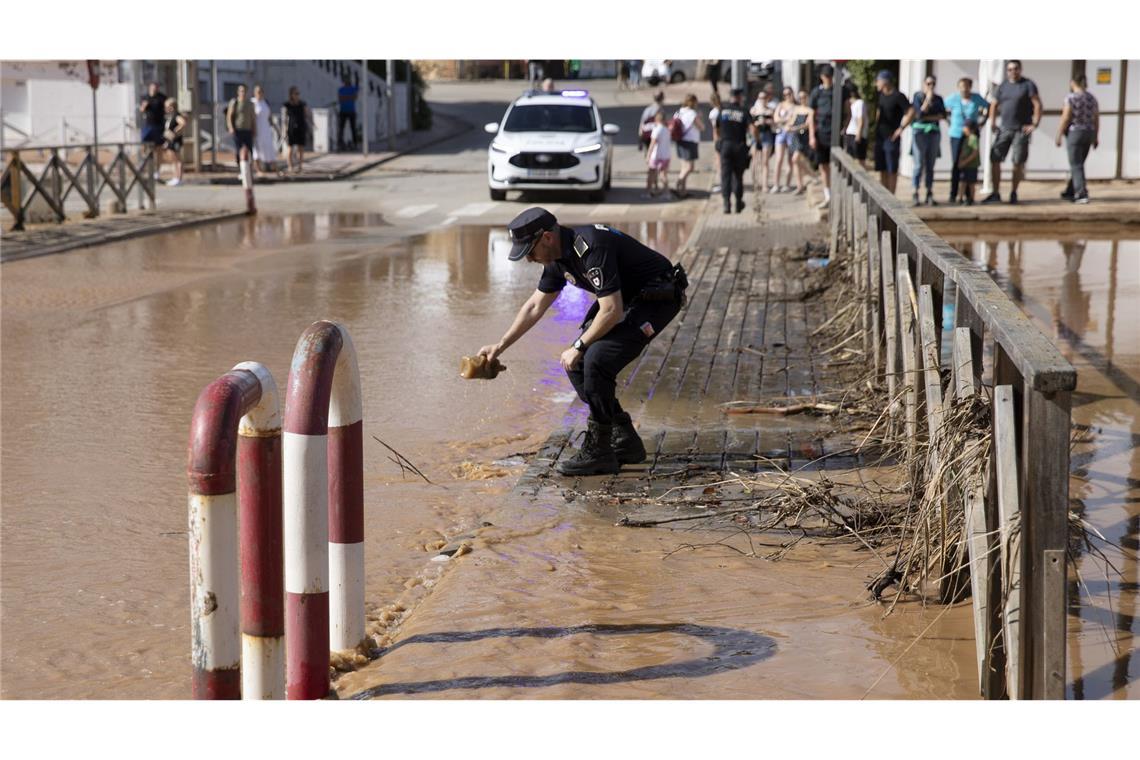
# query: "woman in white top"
x,y
761,113
265,136
785,138
692,126
855,136
657,156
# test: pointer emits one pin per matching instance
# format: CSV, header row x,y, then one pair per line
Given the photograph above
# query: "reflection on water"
x,y
106,349
1083,293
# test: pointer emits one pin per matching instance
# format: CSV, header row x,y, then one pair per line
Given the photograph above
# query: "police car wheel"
x,y
678,76
498,195
654,80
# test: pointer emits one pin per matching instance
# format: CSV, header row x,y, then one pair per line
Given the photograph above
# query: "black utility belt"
x,y
669,287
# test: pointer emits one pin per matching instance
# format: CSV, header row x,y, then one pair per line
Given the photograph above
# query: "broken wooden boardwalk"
x,y
744,334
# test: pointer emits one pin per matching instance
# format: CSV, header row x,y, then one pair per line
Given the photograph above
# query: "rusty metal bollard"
x,y
244,398
261,546
324,507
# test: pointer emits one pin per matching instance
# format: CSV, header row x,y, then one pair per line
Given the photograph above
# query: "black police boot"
x,y
596,457
627,444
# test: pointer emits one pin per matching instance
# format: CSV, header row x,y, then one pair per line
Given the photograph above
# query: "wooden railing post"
x,y
890,309
1045,533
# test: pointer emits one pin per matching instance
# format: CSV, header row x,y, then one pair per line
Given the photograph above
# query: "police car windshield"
x,y
550,117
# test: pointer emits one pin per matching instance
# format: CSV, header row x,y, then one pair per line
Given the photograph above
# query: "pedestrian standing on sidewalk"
x,y
1018,105
730,135
785,138
153,109
855,135
657,156
298,126
895,113
635,74
241,123
762,112
265,132
712,73
714,114
346,112
1080,123
802,127
648,120
968,161
638,291
820,135
929,110
691,128
172,139
963,106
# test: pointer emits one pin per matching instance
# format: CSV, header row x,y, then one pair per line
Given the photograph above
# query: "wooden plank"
x,y
963,377
1054,627
910,378
698,369
722,377
1009,518
876,287
890,312
930,356
966,316
1045,459
837,199
749,370
863,277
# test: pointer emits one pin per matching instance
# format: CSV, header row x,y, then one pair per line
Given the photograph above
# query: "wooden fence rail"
x,y
20,186
1016,513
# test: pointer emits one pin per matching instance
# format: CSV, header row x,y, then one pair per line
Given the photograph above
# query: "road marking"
x,y
407,212
474,209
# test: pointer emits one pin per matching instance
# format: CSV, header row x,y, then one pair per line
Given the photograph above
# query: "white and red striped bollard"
x,y
211,472
262,553
245,169
324,514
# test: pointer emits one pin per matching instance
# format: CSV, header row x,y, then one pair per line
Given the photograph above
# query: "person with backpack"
x,y
685,130
648,120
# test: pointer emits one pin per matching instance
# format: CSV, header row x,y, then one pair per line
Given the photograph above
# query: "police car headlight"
x,y
499,148
589,148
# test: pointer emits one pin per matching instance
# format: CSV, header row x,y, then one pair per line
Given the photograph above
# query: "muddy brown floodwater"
x,y
1082,289
105,351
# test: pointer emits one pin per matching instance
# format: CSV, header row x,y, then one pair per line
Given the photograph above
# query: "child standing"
x,y
969,159
657,156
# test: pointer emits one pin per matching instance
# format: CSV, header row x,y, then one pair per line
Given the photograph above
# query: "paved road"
x,y
446,183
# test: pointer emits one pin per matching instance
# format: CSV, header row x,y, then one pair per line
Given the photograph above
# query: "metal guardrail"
x,y
1018,538
20,186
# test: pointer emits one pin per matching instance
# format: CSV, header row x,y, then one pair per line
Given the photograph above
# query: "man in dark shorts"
x,y
820,139
639,292
895,113
241,123
153,109
298,119
1017,103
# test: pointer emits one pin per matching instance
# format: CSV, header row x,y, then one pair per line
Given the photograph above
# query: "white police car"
x,y
551,141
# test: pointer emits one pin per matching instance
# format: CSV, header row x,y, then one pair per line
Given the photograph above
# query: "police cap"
x,y
526,228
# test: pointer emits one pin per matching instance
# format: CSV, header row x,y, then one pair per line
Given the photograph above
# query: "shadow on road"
x,y
733,649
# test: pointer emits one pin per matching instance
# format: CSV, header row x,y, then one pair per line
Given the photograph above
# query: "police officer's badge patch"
x,y
595,277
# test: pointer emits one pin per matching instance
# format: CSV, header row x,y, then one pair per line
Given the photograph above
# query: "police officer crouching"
x,y
638,291
730,133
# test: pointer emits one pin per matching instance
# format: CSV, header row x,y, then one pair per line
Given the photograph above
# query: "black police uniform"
x,y
602,261
733,125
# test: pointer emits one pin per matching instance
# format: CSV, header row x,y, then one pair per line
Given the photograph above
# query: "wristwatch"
x,y
578,344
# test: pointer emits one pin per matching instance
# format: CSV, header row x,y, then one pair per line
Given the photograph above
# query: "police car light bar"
x,y
575,93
